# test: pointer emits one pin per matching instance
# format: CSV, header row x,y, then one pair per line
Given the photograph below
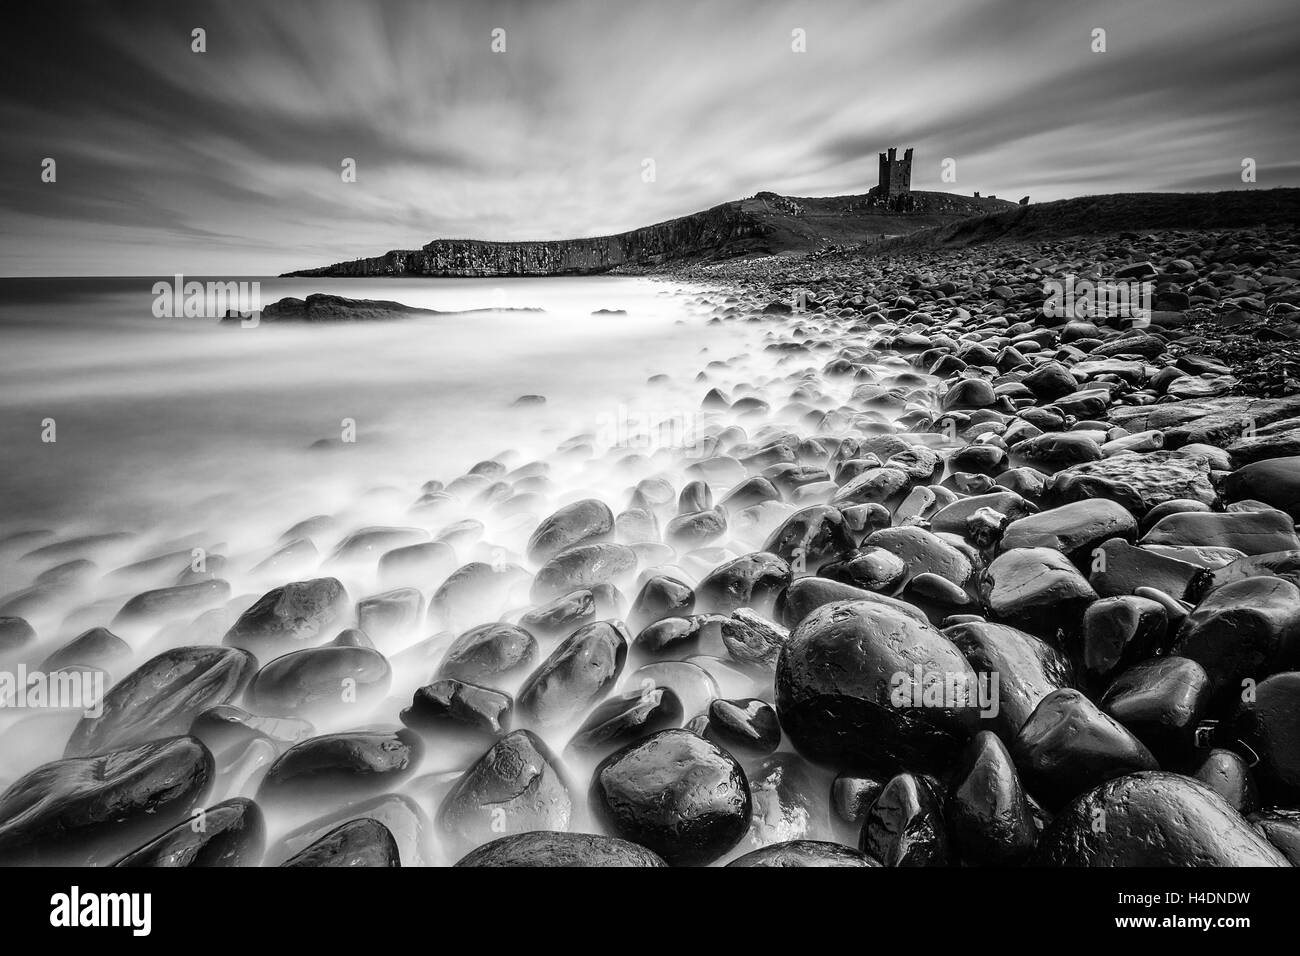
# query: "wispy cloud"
x,y
228,161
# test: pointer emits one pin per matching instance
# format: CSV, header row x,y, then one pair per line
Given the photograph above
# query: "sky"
x,y
230,161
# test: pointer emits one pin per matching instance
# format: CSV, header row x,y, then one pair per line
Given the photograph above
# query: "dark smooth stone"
x,y
988,814
332,768
372,542
806,595
747,727
88,811
847,694
872,569
1119,568
1282,829
1248,629
1152,818
923,553
1161,701
1274,481
231,833
676,793
1073,529
320,680
403,842
690,531
357,843
1068,746
163,603
905,825
1269,723
623,718
562,616
1027,668
161,697
583,667
585,521
794,853
809,536
660,597
287,618
516,786
542,848
454,703
487,653
751,491
1037,590
1229,776
97,647
1250,532
583,566
1121,630
752,581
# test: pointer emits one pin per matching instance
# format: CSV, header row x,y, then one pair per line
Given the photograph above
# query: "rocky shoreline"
x,y
942,580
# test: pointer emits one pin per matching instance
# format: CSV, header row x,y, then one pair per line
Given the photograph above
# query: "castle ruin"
x,y
895,187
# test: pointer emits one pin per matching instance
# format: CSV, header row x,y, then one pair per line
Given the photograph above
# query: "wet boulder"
x,y
287,618
161,697
232,833
1068,746
1161,701
660,597
583,566
1027,670
988,814
89,811
335,768
675,793
542,848
515,787
1247,629
752,580
451,703
582,522
1155,819
800,853
862,683
578,672
320,680
1074,529
489,653
1036,589
905,825
809,536
357,843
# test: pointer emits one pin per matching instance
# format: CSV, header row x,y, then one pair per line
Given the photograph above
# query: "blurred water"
x,y
154,416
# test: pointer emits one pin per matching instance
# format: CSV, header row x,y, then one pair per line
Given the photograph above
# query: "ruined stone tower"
x,y
895,174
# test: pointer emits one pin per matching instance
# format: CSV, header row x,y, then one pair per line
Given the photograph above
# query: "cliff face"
x,y
764,224
727,226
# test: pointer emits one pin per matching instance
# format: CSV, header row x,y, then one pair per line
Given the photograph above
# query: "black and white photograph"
x,y
697,434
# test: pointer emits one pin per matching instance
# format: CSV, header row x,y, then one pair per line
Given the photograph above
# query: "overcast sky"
x,y
228,161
